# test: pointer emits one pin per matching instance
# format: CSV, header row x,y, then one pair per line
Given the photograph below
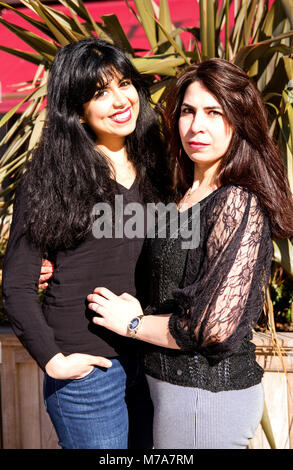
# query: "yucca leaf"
x,y
115,30
157,91
38,126
11,164
41,91
246,50
155,65
258,19
63,20
288,65
79,26
227,22
74,22
61,33
263,52
10,168
79,8
288,7
237,32
42,46
147,20
8,189
32,57
207,27
165,21
31,4
16,143
11,112
33,21
267,427
16,126
249,20
72,27
284,256
175,46
165,17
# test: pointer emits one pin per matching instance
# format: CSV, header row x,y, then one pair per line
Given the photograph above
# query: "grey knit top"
x,y
215,292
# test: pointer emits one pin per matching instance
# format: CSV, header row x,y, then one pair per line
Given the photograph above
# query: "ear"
x,y
81,120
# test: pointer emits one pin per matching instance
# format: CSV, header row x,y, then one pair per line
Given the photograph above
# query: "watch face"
x,y
134,323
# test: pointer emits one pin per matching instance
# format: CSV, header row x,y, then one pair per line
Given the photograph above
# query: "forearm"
x,y
155,330
116,312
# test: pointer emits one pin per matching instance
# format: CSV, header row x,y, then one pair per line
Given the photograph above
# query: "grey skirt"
x,y
192,418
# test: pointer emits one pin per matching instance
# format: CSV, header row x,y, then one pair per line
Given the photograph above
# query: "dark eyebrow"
x,y
206,107
105,85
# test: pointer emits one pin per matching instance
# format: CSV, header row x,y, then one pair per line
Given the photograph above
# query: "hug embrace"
x,y
144,341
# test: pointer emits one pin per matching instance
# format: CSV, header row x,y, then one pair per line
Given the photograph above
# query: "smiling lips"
x,y
122,116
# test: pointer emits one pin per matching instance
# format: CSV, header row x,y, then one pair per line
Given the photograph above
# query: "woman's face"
x,y
113,111
203,129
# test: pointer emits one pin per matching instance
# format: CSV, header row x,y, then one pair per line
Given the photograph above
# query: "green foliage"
x,y
282,297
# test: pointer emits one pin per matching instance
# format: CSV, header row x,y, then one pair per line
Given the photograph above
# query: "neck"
x,y
116,154
205,176
122,168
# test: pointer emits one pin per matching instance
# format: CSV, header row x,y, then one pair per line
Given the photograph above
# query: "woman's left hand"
x,y
116,311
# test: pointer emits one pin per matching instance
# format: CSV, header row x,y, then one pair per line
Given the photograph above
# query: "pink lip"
x,y
196,145
122,112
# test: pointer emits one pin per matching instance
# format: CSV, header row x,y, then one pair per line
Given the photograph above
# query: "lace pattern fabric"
x,y
226,298
221,287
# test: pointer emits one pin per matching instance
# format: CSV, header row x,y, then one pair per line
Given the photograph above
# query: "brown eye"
x,y
100,93
215,113
125,83
186,110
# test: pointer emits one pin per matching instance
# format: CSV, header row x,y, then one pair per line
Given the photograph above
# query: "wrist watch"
x,y
134,325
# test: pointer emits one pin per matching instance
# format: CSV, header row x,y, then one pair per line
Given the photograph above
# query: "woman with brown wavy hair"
x,y
201,303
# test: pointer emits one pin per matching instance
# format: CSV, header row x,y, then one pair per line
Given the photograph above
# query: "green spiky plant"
x,y
260,41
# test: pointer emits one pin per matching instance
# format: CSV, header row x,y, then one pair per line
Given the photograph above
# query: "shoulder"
x,y
235,198
233,206
233,193
20,195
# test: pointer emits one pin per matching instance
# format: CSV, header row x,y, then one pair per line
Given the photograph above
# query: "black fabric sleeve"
x,y
219,308
21,272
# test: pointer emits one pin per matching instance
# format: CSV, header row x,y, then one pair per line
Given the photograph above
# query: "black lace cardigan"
x,y
215,292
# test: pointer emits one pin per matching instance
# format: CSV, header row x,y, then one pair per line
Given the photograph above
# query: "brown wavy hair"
x,y
252,160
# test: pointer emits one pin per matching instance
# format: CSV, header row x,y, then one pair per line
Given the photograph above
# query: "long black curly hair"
x,y
67,174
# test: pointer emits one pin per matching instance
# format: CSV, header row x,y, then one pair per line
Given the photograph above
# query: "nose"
x,y
198,123
119,98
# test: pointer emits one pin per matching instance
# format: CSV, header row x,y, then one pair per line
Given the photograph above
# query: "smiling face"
x,y
205,133
113,111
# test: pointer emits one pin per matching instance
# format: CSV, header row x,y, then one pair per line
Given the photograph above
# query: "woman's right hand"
x,y
74,366
47,270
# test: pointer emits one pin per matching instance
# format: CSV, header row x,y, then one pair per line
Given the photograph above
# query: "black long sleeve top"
x,y
63,323
215,292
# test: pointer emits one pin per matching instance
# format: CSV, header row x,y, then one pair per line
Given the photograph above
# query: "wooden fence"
x,y
26,424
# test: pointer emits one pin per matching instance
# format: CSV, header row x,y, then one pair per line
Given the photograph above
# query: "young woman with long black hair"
x,y
101,139
202,303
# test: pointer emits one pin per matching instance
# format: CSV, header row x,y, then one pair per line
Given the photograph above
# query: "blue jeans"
x,y
107,409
